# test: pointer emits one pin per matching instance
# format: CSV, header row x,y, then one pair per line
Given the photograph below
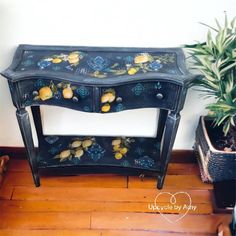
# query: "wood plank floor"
x,y
107,205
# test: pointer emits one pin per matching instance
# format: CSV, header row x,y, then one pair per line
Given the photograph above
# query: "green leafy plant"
x,y
216,60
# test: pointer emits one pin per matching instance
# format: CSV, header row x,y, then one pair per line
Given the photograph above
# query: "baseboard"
x,y
178,156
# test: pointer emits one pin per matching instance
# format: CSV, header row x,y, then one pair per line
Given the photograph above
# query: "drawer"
x,y
139,95
59,93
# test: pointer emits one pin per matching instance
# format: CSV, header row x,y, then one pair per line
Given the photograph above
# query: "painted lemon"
x,y
79,153
67,93
108,97
106,107
141,58
76,144
118,156
56,60
74,60
105,98
116,147
45,93
73,55
116,142
132,71
111,97
87,143
65,154
123,150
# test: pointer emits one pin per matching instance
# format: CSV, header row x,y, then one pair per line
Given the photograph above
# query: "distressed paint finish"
x,y
93,79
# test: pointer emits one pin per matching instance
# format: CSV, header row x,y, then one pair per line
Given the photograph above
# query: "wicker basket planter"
x,y
215,165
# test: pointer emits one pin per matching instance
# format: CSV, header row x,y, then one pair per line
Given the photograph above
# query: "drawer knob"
x,y
119,99
159,96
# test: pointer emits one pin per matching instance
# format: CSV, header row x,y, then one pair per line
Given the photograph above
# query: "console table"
x,y
101,80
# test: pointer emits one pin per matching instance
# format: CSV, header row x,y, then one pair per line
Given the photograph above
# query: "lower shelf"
x,y
99,152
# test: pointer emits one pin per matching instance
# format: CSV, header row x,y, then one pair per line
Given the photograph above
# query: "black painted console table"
x,y
100,80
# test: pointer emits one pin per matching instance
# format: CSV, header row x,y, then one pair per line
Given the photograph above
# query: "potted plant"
x,y
215,141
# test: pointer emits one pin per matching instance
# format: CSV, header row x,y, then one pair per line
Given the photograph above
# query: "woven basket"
x,y
215,165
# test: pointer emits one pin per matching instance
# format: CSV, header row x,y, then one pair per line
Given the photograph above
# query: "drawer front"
x,y
139,95
59,93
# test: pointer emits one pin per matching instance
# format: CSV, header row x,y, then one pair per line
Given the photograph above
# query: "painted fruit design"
x,y
73,58
67,92
100,65
45,93
142,58
106,107
107,98
76,149
55,91
121,147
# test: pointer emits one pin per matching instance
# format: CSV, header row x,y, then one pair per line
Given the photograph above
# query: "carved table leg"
x,y
171,126
26,132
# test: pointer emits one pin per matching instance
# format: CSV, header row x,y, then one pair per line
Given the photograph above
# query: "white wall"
x,y
149,23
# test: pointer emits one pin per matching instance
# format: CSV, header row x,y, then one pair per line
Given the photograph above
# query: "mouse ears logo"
x,y
166,202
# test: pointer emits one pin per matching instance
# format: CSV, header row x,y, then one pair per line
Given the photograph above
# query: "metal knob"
x,y
159,96
119,99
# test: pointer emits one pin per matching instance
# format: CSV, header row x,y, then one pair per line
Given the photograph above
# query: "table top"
x,y
98,65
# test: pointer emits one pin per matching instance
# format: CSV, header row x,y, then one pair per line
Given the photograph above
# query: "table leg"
x,y
26,132
37,122
161,124
171,127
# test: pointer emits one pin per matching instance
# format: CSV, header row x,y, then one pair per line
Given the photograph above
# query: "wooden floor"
x,y
106,204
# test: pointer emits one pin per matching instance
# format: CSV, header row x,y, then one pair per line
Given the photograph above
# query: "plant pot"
x,y
224,195
215,165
